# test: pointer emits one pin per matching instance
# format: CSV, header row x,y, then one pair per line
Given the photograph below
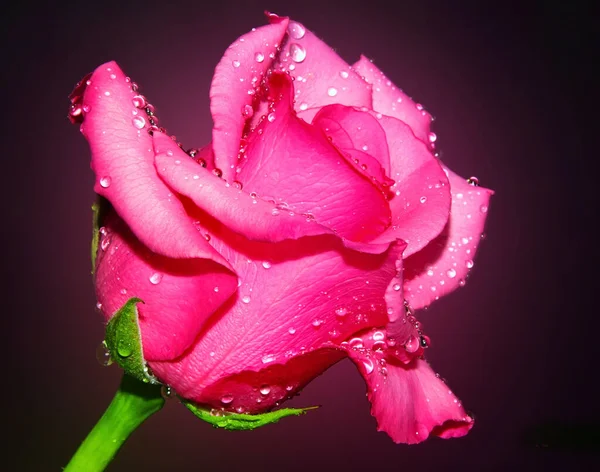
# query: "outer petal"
x,y
179,294
321,76
248,58
294,297
123,160
392,101
421,203
410,402
293,163
443,265
252,217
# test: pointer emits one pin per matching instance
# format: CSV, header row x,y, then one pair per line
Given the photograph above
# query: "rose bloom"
x,y
310,230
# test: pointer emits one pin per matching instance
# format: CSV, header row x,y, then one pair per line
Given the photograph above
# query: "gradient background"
x,y
509,88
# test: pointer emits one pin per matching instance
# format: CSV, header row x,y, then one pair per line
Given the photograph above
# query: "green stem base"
x,y
133,403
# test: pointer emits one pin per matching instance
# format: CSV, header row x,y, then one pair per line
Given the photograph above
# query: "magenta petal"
x,y
293,163
360,138
123,160
321,76
179,295
247,58
421,196
443,265
409,401
392,101
294,297
254,218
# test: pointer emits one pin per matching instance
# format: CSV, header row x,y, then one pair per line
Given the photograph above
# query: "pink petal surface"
x,y
392,101
252,217
443,265
123,160
178,294
360,139
248,58
294,297
421,195
409,401
292,163
321,76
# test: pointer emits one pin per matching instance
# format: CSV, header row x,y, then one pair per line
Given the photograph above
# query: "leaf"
x,y
242,421
124,342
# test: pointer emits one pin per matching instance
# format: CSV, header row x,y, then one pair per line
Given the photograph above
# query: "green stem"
x,y
133,403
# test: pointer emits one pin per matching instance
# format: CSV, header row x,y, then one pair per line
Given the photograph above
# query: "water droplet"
x,y
430,272
474,181
296,30
462,282
432,137
123,291
156,278
167,392
246,299
138,121
423,199
342,311
297,52
103,355
107,93
483,208
265,390
292,330
271,117
259,57
139,101
412,344
356,343
226,399
217,172
124,348
268,358
451,273
266,265
317,323
237,184
105,242
469,264
274,212
344,74
332,91
368,365
397,287
303,106
236,63
378,336
247,111
105,182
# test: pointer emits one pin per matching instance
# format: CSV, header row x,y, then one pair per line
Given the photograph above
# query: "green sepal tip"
x,y
99,209
124,342
242,421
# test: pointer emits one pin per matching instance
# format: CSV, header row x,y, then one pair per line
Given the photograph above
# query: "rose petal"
x,y
421,202
251,217
360,138
179,294
409,401
321,76
443,265
247,58
294,297
392,101
123,160
293,163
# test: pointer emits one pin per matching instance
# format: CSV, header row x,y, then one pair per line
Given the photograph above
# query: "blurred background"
x,y
510,86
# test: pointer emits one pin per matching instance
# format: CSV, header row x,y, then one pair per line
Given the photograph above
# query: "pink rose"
x,y
312,228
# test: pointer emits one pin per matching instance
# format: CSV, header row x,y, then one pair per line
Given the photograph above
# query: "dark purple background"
x,y
509,87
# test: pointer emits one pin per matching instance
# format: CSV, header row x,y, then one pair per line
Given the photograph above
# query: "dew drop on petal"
x,y
451,273
226,399
105,182
368,365
423,199
266,264
265,390
332,91
236,63
397,287
246,299
412,345
292,330
138,121
297,52
156,278
341,311
474,181
432,137
259,57
344,74
268,358
296,30
469,264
